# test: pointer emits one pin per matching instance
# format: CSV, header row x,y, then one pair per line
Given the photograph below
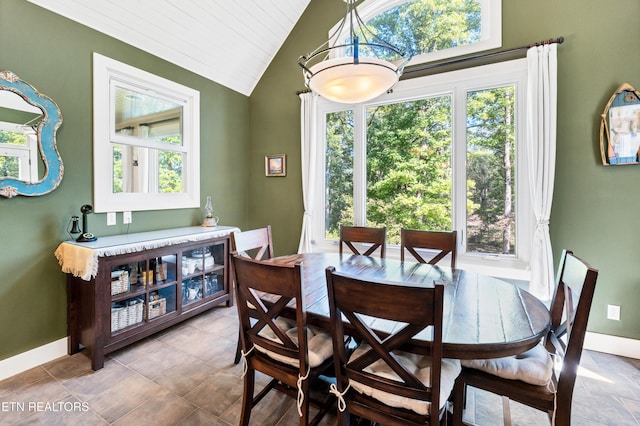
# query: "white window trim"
x,y
107,73
457,83
27,154
490,36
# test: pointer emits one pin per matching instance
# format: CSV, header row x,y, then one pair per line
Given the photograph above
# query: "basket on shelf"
x,y
157,308
116,314
127,314
119,282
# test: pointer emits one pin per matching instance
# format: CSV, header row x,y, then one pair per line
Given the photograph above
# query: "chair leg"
x,y
247,396
459,401
304,419
506,411
344,419
236,360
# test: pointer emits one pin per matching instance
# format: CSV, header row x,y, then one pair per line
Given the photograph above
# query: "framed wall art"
x,y
275,165
620,127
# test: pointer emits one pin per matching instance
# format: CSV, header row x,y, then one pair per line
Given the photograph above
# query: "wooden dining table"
x,y
484,317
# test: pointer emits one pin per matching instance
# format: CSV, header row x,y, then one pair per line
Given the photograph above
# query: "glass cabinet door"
x,y
142,291
202,273
162,286
127,298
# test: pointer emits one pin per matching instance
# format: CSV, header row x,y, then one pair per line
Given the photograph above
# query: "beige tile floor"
x,y
185,376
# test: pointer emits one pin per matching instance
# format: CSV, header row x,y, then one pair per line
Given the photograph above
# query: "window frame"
x,y
27,154
109,73
490,33
458,84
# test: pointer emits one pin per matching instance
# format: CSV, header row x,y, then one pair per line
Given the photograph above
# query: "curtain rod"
x,y
418,68
426,67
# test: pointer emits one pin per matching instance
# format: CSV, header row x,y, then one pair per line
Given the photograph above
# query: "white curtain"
x,y
308,139
541,149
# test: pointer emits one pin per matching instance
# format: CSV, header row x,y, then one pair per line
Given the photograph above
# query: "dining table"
x,y
483,316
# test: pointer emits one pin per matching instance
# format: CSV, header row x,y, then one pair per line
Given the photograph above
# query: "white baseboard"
x,y
614,345
33,358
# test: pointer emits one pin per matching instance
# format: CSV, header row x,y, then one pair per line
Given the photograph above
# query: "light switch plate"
x,y
613,312
111,218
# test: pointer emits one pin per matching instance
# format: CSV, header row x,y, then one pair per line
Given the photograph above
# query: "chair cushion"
x,y
318,342
420,366
534,366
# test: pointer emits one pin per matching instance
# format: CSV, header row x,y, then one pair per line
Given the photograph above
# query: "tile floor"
x,y
185,376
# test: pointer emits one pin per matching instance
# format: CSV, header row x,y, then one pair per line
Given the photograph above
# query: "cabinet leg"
x,y
73,326
97,360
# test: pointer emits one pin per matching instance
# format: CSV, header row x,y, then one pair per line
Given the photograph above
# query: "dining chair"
x,y
276,340
362,234
531,378
255,244
443,242
381,380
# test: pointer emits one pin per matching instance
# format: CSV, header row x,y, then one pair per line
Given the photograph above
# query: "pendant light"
x,y
352,70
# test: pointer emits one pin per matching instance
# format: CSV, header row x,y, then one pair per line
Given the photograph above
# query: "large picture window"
x,y
441,152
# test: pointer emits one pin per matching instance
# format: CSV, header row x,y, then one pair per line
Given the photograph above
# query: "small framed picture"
x,y
275,165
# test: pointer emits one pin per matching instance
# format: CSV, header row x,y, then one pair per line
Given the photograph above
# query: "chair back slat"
x,y
255,243
415,309
444,243
361,234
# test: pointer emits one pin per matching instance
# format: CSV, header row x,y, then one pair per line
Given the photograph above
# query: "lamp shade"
x,y
342,80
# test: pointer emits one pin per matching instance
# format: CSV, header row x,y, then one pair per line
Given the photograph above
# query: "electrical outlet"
x,y
613,312
111,218
127,217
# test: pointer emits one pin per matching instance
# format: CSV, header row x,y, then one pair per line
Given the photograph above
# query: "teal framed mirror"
x,y
30,163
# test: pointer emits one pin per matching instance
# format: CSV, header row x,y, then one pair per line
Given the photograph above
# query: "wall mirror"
x,y
29,160
146,140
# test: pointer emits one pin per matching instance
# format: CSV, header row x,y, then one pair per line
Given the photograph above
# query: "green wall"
x,y
594,207
54,54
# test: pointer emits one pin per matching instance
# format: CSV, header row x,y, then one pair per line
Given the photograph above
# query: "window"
x,y
434,29
18,152
146,140
441,152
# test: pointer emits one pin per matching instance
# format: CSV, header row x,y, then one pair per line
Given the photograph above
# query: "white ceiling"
x,y
228,41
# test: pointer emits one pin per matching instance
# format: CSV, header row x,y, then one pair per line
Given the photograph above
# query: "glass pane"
x,y
338,173
161,302
491,171
147,170
9,166
19,157
423,26
170,166
15,138
147,117
409,166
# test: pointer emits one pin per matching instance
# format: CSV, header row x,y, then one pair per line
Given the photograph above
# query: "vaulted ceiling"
x,y
230,42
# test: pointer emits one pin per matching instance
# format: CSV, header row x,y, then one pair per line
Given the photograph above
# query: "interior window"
x,y
146,143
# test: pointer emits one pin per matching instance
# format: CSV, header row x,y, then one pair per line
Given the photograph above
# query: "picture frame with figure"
x,y
275,165
620,128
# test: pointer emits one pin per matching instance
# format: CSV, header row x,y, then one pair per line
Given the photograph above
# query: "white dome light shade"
x,y
341,80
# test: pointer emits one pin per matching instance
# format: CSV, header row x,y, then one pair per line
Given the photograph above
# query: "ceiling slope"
x,y
230,42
